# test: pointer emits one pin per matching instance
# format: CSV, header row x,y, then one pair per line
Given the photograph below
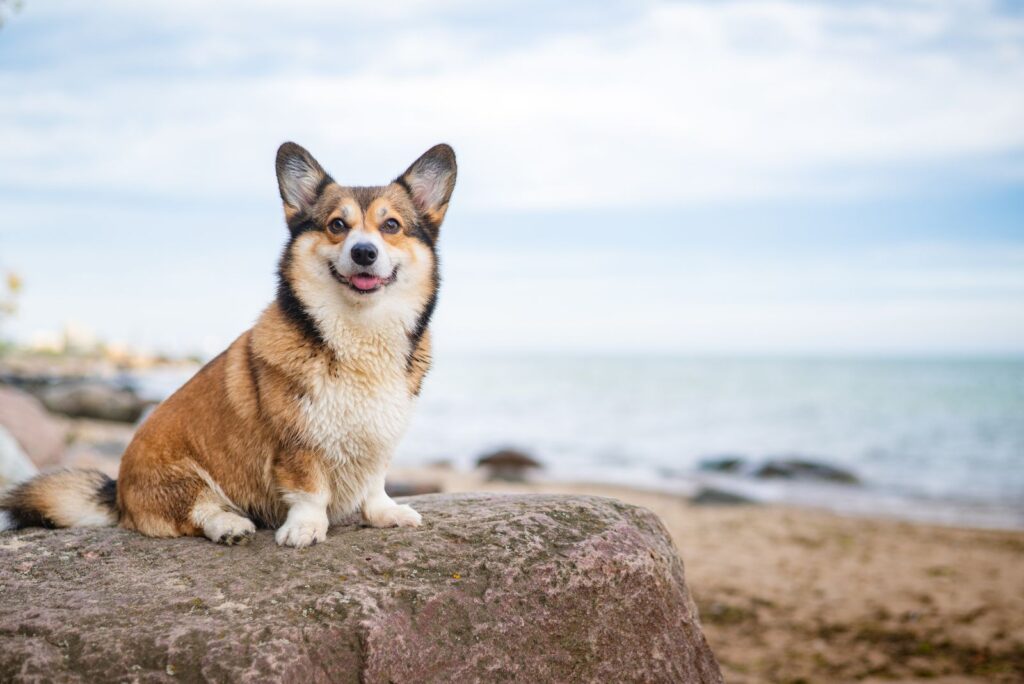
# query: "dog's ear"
x,y
299,177
430,181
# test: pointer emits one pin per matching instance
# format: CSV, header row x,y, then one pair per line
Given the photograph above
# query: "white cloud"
x,y
680,101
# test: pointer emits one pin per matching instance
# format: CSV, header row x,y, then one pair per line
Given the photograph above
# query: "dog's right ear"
x,y
299,177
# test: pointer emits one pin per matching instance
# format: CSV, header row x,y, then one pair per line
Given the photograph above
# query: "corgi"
x,y
293,426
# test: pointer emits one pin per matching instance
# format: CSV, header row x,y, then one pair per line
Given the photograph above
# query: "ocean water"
x,y
935,439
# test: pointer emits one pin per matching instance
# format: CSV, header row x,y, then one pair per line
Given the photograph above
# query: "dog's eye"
x,y
337,226
390,226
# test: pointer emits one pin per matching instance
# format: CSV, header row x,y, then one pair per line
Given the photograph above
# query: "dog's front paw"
x,y
301,532
397,515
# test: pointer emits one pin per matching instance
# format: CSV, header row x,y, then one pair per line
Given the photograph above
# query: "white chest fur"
x,y
356,420
356,426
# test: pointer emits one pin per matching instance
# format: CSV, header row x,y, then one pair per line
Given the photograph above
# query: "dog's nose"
x,y
364,253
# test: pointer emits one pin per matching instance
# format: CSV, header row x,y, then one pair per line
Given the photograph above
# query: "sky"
x,y
634,177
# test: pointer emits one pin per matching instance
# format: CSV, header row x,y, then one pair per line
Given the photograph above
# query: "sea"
x,y
937,440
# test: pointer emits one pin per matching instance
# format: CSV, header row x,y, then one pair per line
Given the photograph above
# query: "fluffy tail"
x,y
61,498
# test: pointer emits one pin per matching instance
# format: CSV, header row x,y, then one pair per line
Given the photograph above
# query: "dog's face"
x,y
363,246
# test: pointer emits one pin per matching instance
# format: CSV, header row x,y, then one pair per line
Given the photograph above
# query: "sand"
x,y
798,595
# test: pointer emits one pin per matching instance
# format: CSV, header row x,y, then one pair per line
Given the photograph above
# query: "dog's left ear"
x,y
430,181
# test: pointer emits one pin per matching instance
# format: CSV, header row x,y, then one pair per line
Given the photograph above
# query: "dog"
x,y
293,426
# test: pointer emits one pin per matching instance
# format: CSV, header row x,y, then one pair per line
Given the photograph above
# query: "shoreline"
x,y
861,501
452,480
789,593
857,501
866,494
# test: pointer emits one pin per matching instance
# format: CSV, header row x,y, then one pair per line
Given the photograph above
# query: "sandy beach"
x,y
800,595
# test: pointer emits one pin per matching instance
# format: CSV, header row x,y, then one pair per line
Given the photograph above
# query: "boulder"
x,y
796,468
537,588
714,496
41,436
727,463
15,466
508,465
395,489
94,399
786,467
85,456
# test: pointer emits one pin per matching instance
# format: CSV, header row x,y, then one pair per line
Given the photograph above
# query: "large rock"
x,y
94,399
513,588
41,437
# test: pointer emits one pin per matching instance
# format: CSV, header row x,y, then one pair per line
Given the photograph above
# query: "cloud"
x,y
778,168
657,105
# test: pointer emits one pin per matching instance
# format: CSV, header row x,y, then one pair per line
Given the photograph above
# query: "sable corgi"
x,y
293,426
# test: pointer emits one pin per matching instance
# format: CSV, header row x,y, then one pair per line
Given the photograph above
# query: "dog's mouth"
x,y
363,283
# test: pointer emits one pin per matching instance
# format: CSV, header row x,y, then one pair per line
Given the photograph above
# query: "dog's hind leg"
x,y
221,525
180,499
218,517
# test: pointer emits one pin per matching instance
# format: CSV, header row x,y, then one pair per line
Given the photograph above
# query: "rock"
x,y
507,464
97,444
411,488
785,467
92,399
85,456
41,437
15,465
534,588
712,496
802,469
727,463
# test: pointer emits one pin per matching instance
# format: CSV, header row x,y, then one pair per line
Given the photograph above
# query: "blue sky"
x,y
737,177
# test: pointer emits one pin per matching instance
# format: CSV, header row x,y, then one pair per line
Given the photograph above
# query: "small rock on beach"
x,y
509,465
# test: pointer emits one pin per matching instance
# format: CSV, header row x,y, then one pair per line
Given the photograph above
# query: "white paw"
x,y
301,532
398,515
228,528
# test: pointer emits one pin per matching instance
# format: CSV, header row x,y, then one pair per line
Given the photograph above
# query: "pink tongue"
x,y
365,282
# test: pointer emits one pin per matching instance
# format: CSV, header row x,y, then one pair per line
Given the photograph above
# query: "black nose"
x,y
364,253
